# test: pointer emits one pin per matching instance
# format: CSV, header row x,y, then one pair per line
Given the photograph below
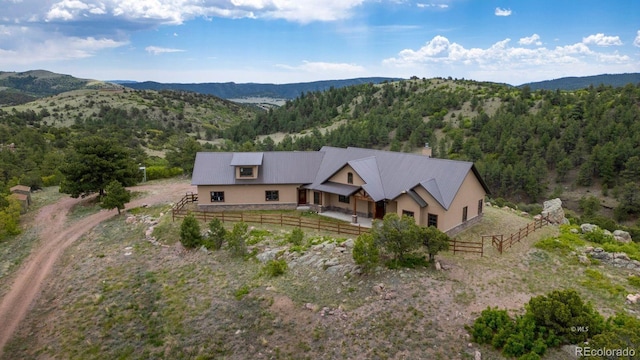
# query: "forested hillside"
x,y
527,145
20,88
156,129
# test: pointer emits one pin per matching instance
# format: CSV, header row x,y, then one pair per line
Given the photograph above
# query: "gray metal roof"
x,y
247,159
337,188
417,198
282,167
386,174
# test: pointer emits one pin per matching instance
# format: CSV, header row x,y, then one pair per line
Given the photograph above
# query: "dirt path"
x,y
55,236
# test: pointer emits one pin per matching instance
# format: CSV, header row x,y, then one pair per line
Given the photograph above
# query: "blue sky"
x,y
285,41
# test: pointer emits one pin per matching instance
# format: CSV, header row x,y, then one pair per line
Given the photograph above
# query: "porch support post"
x,y
355,202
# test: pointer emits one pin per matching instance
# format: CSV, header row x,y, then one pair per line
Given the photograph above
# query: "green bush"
x,y
631,249
190,235
217,234
237,238
296,237
548,322
162,172
365,252
634,280
561,312
620,332
275,268
598,236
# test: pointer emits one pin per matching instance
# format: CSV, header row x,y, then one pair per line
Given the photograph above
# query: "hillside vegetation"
x,y
20,88
527,144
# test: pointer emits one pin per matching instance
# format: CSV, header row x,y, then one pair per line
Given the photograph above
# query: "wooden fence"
x,y
281,219
467,246
503,243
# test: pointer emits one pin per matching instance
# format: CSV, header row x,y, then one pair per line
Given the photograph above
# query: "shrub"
x,y
398,235
634,280
190,235
561,312
365,252
275,268
598,236
296,237
162,172
217,234
620,332
487,325
236,239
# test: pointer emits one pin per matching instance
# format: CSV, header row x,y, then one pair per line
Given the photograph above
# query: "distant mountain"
x,y
574,83
22,87
232,90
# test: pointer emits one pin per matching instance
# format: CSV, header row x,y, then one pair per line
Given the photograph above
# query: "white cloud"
x,y
437,6
156,50
602,40
27,46
531,40
442,57
502,12
636,42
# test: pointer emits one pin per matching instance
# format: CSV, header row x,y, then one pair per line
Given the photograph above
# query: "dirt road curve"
x,y
54,239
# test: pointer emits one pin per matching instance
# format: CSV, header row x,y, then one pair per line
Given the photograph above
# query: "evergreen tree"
x,y
95,162
116,196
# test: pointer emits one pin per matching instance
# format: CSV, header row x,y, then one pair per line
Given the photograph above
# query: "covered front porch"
x,y
346,202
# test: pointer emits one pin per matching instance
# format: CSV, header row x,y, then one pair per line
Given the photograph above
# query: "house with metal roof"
x,y
369,183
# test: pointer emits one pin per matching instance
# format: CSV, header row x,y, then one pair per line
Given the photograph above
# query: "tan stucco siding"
x,y
468,195
406,203
342,174
247,194
332,201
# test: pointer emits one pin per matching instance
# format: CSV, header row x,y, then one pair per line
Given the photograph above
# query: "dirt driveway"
x,y
55,236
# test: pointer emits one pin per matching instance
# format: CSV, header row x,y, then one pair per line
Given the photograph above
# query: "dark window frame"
x,y
465,214
480,206
317,198
408,213
243,169
272,195
217,196
344,199
432,220
350,178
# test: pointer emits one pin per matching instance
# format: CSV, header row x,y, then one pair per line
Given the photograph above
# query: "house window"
x,y
480,206
316,198
246,172
408,213
349,178
343,199
464,214
432,220
217,196
272,195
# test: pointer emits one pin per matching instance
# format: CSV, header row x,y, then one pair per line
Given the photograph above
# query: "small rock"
x,y
390,295
587,228
477,355
621,255
270,288
574,231
438,266
378,289
633,298
584,260
130,220
349,243
588,249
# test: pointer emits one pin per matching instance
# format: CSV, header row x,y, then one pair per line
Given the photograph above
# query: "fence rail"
x,y
467,246
502,243
179,211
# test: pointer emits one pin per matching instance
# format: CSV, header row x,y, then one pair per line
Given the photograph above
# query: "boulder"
x,y
553,210
268,255
633,298
622,236
584,260
587,228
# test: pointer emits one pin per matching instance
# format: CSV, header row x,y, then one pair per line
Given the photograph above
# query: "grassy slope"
x,y
105,303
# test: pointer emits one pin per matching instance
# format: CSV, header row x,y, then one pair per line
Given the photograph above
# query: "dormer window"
x,y
349,178
246,171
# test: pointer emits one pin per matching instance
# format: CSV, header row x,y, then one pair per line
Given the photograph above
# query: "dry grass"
x,y
165,302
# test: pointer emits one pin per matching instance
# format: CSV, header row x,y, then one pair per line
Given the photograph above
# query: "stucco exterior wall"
x,y
341,176
406,203
248,194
